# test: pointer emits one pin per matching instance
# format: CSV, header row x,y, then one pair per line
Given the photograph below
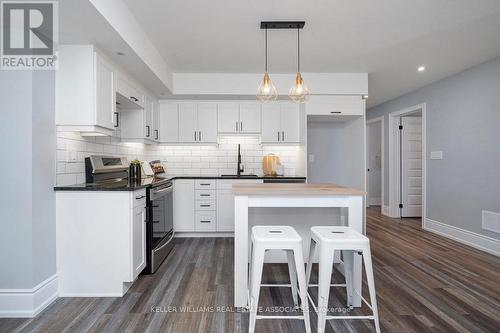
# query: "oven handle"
x,y
168,189
166,243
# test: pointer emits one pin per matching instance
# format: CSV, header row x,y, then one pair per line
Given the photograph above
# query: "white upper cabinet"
x,y
335,106
250,117
85,91
198,122
228,117
188,122
236,118
156,120
169,122
207,122
281,123
130,95
138,125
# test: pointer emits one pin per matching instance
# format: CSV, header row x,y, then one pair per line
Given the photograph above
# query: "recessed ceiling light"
x,y
120,53
421,68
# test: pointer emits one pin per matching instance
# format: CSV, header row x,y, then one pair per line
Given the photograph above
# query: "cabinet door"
x,y
228,118
188,122
169,122
184,205
290,122
225,210
271,122
250,117
156,120
207,122
148,118
138,240
105,93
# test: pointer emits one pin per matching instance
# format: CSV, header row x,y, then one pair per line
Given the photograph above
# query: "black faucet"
x,y
240,168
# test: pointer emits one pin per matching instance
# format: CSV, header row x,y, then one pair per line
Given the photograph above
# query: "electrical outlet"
x,y
72,156
437,155
311,158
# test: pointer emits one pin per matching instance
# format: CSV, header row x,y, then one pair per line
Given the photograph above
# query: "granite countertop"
x,y
124,185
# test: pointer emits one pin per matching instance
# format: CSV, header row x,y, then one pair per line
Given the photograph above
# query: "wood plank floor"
x,y
425,283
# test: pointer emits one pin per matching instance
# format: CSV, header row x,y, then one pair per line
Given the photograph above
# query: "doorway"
x,y
375,162
407,167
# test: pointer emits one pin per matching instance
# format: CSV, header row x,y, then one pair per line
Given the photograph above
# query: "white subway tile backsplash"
x,y
178,159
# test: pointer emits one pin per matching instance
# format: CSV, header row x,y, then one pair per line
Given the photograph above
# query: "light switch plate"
x,y
437,155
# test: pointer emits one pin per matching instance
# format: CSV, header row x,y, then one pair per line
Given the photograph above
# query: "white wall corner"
x,y
27,303
472,239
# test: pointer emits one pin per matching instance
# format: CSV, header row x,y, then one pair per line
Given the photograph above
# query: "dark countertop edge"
x,y
82,187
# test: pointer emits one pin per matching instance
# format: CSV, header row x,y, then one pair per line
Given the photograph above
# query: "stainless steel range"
x,y
160,226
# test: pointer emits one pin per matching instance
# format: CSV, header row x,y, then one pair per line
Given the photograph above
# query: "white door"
x,y
290,122
374,163
207,122
169,122
411,163
139,240
105,93
271,122
184,205
250,118
188,122
228,118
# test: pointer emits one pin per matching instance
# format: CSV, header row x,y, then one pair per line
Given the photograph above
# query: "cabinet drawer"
x,y
204,194
205,184
139,198
206,205
205,221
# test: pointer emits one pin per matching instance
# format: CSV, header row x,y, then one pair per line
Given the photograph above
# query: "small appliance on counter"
x,y
105,168
271,165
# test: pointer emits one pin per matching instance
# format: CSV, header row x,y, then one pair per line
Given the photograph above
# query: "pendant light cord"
x,y
266,48
298,50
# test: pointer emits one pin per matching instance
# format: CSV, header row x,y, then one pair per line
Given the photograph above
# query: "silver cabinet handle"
x,y
204,184
194,135
140,197
199,136
205,205
117,119
156,134
236,126
335,112
278,135
241,126
204,221
204,195
283,136
147,131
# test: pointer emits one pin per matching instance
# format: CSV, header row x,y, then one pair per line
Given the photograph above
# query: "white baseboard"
x,y
27,303
374,201
480,242
202,234
385,210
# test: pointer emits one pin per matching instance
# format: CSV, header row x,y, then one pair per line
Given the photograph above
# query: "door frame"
x,y
382,148
394,165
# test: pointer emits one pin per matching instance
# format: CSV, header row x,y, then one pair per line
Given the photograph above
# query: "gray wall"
x,y
27,203
463,120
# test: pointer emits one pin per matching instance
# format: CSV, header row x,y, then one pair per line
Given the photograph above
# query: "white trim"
x,y
385,210
477,241
27,303
202,234
382,143
394,156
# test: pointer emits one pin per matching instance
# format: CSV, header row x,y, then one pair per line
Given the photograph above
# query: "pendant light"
x,y
267,91
299,93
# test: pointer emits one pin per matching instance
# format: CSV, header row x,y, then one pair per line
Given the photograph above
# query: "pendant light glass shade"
x,y
299,92
267,91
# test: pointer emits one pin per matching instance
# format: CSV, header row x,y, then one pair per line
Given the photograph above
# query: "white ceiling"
x,y
388,39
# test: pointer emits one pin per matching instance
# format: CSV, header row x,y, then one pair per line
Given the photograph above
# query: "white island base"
x,y
251,198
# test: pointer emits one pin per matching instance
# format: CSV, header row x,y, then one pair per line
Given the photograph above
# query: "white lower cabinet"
x,y
138,240
205,221
184,205
101,241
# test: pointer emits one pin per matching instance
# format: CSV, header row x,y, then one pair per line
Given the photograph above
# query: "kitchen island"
x,y
303,196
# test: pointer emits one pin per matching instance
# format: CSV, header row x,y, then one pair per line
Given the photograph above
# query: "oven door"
x,y
161,225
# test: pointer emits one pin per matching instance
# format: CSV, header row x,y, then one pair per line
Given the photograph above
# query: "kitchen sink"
x,y
240,176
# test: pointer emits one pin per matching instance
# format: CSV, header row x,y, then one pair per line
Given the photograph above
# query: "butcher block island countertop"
x,y
294,189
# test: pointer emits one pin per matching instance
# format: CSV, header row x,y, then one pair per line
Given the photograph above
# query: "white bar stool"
x,y
277,238
330,239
